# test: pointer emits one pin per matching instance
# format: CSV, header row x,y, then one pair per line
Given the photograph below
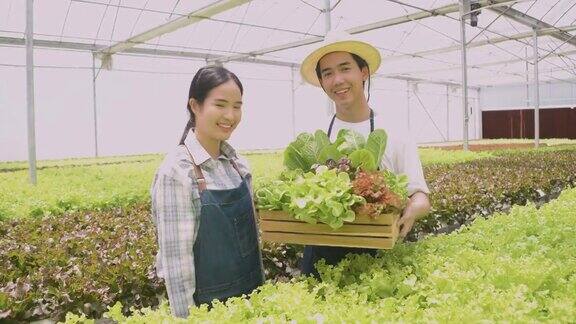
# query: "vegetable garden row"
x,y
517,267
91,187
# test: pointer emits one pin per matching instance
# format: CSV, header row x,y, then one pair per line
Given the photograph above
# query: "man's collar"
x,y
355,122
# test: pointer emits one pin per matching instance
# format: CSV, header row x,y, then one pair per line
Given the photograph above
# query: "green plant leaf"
x,y
363,159
376,144
300,154
321,140
329,152
348,141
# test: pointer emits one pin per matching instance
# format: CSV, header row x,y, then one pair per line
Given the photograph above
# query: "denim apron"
x,y
331,254
226,251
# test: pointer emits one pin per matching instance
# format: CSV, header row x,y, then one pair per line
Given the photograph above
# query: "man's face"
x,y
342,79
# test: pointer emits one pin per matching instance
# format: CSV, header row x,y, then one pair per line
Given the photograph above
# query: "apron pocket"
x,y
246,233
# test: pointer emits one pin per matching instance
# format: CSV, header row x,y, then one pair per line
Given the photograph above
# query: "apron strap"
x,y
331,124
371,120
197,171
235,166
334,118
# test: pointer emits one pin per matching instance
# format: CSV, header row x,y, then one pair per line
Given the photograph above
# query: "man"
x,y
342,67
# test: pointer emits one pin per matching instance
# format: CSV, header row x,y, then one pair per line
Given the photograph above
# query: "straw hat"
x,y
338,41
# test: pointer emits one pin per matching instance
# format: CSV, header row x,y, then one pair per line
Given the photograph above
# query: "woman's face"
x,y
220,113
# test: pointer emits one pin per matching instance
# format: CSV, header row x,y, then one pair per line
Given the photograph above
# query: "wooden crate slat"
x,y
395,228
350,229
386,219
330,240
364,232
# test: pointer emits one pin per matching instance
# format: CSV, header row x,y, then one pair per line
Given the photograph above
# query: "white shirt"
x,y
401,154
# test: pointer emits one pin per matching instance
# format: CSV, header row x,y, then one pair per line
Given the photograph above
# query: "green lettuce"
x,y
376,144
310,149
324,196
300,153
363,159
329,152
349,141
305,151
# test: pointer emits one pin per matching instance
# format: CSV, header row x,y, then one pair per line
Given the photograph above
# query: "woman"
x,y
202,204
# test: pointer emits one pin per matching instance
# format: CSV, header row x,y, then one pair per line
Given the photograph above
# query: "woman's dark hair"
x,y
361,64
206,79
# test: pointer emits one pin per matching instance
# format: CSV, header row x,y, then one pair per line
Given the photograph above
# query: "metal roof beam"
x,y
495,40
440,11
422,80
535,23
196,16
201,56
205,56
489,64
136,50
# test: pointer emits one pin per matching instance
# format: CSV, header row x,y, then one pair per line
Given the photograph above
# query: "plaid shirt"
x,y
176,209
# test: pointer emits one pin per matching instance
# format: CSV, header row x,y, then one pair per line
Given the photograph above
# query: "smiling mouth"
x,y
225,126
342,91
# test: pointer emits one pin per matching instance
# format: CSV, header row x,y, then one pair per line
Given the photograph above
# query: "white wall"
x,y
517,96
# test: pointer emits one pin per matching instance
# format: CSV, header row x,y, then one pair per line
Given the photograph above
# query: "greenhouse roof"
x,y
418,40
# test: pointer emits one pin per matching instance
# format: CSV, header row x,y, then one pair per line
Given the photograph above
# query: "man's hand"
x,y
418,207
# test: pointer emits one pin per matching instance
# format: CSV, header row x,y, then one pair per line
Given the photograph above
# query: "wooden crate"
x,y
364,232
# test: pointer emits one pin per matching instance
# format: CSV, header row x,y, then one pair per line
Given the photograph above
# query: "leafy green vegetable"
x,y
300,154
364,159
321,140
329,152
348,141
383,191
308,150
376,144
324,196
398,183
517,268
272,195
